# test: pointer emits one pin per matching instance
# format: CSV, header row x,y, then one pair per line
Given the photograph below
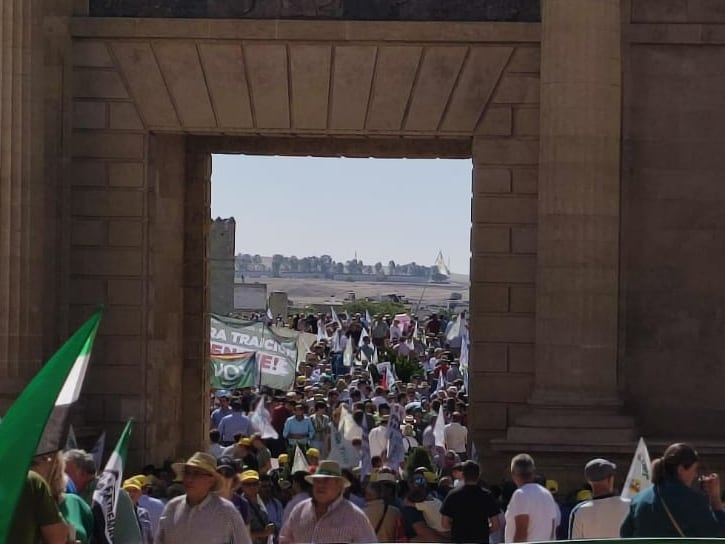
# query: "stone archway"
x,y
152,100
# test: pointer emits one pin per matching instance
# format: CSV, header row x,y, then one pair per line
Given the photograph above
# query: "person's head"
x,y
600,475
227,470
680,461
313,456
237,406
214,436
327,482
300,483
522,469
257,442
199,476
51,466
80,466
134,487
250,484
244,444
266,487
299,411
224,401
471,472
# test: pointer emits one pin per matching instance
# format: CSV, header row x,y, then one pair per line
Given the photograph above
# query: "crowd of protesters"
x,y
352,454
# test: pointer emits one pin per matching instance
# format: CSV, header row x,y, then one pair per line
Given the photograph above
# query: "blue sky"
x,y
399,209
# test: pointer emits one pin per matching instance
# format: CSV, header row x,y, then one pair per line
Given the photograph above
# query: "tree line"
x,y
326,266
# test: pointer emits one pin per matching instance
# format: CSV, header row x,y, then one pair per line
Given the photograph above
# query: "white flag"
x,y
455,330
347,354
269,314
300,462
439,429
441,381
639,476
321,331
262,421
335,319
363,334
368,319
464,353
347,426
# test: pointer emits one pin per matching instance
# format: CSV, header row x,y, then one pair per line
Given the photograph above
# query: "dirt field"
x,y
303,292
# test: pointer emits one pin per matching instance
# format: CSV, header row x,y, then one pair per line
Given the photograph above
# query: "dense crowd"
x,y
353,454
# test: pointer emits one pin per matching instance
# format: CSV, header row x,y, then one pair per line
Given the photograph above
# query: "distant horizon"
x,y
405,209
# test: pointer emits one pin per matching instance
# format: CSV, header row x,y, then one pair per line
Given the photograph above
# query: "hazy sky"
x,y
404,210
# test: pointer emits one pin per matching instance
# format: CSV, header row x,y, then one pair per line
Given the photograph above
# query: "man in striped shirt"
x,y
327,517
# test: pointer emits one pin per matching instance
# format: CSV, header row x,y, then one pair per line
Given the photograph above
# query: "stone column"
x,y
21,198
574,397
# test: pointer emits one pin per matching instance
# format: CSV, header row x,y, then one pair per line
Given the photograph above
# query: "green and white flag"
x,y
45,402
105,496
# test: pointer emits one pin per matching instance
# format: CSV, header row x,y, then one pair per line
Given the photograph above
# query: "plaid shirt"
x,y
214,521
343,522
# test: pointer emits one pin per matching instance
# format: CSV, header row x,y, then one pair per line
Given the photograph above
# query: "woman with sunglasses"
x,y
679,504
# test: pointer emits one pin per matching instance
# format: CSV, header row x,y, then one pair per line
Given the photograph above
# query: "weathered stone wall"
x,y
673,242
503,248
400,10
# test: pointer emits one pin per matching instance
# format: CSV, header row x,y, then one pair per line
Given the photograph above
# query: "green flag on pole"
x,y
105,497
51,393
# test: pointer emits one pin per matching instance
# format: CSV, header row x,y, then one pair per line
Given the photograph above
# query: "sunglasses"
x,y
420,480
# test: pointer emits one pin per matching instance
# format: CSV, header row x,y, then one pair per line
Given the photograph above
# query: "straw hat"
x,y
328,469
202,461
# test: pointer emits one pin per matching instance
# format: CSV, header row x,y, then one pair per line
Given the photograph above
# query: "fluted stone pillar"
x,y
21,200
574,397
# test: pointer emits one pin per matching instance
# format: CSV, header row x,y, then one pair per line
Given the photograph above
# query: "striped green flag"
x,y
37,422
105,497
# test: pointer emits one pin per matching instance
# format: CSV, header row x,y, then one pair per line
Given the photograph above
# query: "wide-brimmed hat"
x,y
202,461
328,469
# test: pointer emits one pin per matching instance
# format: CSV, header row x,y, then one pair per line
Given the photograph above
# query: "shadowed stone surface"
x,y
365,10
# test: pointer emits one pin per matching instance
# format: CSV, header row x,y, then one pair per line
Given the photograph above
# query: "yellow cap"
x,y
313,451
245,441
552,486
283,458
584,495
249,476
133,483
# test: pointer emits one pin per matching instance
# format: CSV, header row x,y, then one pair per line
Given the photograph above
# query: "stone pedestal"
x,y
575,400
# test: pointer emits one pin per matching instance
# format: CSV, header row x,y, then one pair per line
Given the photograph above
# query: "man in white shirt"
x,y
532,514
602,516
456,436
378,438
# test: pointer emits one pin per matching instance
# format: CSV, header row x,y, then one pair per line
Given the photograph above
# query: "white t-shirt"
x,y
598,518
544,514
456,436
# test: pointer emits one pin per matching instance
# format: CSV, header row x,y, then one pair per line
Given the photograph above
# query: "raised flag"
x,y
464,352
390,377
262,420
347,426
269,314
335,319
71,443
439,429
300,462
321,331
639,476
98,449
43,401
347,353
368,319
105,496
363,334
455,330
396,449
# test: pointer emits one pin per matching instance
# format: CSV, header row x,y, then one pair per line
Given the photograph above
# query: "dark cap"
x,y
599,469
